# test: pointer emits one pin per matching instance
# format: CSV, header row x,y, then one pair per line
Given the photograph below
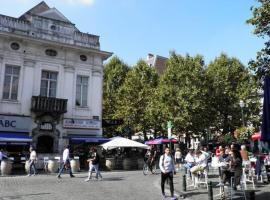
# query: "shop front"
x,y
14,136
82,134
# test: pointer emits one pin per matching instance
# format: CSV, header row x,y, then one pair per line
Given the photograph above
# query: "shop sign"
x,y
82,123
46,126
15,123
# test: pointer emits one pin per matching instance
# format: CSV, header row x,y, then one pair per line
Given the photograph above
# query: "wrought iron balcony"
x,y
49,104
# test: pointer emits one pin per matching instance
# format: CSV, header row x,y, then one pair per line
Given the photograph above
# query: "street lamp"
x,y
242,104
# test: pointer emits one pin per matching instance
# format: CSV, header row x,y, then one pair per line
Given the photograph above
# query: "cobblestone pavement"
x,y
119,185
123,185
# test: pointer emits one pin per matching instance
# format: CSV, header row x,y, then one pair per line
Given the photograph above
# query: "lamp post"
x,y
242,104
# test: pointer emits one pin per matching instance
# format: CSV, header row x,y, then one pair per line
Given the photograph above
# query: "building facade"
x,y
51,77
157,62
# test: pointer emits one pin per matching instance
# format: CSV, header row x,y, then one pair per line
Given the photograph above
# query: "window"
x,y
81,91
51,52
11,82
83,57
48,84
15,46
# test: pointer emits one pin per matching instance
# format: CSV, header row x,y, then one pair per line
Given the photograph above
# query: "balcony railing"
x,y
49,104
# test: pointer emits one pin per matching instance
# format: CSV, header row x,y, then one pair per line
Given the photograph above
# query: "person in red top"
x,y
218,151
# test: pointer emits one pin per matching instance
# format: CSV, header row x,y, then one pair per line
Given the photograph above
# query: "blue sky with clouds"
x,y
133,28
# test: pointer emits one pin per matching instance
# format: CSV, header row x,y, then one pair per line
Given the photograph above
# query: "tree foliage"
x,y
261,21
230,82
135,95
182,93
114,76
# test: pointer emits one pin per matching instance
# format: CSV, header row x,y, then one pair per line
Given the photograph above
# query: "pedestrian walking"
x,y
178,157
166,165
32,162
89,160
66,163
95,161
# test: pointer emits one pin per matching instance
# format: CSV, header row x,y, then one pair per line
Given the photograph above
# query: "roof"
x,y
43,10
158,62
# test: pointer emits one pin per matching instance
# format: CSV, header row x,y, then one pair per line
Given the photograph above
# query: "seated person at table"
x,y
235,169
224,171
200,162
189,159
218,151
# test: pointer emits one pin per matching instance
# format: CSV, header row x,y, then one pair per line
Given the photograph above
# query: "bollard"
x,y
252,195
184,183
210,190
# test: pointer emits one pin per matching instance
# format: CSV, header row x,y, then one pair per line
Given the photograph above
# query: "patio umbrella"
x,y
122,142
265,132
160,141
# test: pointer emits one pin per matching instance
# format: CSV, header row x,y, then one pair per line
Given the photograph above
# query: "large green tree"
x,y
183,94
261,21
228,83
135,95
114,76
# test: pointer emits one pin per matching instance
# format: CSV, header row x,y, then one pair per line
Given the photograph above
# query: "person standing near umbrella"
x,y
166,165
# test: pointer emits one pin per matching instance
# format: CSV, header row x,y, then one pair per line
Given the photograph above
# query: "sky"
x,y
133,28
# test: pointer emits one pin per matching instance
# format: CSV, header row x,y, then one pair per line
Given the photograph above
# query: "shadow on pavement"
x,y
113,179
264,195
23,195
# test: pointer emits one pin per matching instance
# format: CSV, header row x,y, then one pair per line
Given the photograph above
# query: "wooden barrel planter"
x,y
140,162
118,163
110,163
130,164
52,166
75,165
27,166
6,167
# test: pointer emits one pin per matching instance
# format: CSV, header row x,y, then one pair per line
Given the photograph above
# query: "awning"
x,y
14,137
88,139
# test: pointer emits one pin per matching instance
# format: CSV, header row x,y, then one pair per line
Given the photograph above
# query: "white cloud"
x,y
83,2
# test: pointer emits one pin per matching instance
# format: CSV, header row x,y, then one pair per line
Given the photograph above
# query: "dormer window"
x,y
51,52
53,27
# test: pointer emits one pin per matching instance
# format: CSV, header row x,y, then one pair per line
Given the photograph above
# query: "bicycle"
x,y
146,168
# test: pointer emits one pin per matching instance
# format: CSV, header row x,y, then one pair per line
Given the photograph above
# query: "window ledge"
x,y
82,108
10,101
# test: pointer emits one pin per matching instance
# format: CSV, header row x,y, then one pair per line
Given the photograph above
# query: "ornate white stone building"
x,y
51,77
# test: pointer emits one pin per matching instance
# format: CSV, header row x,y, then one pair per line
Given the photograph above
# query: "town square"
x,y
135,99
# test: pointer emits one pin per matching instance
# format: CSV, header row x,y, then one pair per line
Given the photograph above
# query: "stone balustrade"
x,y
40,28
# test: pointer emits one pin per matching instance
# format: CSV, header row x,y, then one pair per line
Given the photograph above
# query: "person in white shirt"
x,y
32,162
66,163
200,161
178,157
166,165
200,165
189,159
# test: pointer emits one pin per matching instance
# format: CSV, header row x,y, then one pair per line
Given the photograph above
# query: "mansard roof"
x,y
43,10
